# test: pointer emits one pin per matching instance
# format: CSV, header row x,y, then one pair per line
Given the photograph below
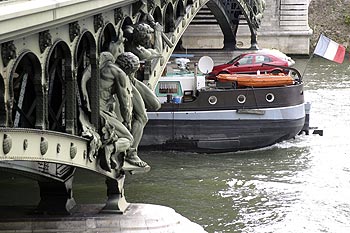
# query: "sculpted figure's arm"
x,y
142,38
158,29
146,54
158,34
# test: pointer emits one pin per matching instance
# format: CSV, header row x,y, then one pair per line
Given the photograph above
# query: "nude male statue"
x,y
139,40
141,95
116,138
149,98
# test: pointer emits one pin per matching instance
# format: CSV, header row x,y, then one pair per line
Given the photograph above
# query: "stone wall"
x,y
284,27
336,24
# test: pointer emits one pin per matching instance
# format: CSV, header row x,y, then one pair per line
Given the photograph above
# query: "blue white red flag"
x,y
329,49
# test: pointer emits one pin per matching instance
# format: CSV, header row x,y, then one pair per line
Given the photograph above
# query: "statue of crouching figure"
x,y
122,112
139,97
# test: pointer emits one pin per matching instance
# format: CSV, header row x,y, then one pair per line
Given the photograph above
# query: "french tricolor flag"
x,y
329,49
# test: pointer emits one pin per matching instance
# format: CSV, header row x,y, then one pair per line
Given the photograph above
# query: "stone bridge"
x,y
45,48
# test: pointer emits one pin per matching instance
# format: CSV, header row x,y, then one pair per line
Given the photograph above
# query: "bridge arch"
x,y
157,15
26,92
169,24
85,56
107,35
2,103
59,78
126,23
180,10
226,25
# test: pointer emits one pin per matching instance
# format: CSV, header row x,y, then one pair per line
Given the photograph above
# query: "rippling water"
x,y
301,185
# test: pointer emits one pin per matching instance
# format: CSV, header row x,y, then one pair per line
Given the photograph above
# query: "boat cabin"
x,y
178,87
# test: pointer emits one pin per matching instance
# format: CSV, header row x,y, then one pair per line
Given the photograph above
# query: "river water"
x,y
300,185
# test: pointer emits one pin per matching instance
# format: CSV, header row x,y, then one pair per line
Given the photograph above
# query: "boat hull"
x,y
202,133
234,136
227,125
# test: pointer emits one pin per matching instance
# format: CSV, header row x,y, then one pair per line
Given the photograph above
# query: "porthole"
x,y
241,99
269,97
212,100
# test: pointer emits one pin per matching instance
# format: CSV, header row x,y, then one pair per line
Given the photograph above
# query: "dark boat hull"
x,y
227,127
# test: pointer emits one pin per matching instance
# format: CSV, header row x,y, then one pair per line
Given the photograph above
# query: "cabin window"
x,y
166,88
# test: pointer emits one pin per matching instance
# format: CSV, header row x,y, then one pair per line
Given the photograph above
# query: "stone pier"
x,y
284,26
144,218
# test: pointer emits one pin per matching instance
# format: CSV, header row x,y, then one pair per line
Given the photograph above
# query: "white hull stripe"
x,y
283,113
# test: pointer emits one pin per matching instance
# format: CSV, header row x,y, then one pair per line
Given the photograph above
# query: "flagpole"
x,y
312,55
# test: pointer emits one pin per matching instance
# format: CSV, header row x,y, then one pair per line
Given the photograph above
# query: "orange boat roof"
x,y
261,80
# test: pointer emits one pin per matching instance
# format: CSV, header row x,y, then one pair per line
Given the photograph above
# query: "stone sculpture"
x,y
115,137
139,38
123,100
142,96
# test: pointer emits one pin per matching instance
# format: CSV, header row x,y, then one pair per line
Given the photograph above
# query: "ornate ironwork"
x,y
98,22
3,110
8,52
7,144
44,40
25,144
74,30
44,146
73,150
151,4
137,6
163,3
118,15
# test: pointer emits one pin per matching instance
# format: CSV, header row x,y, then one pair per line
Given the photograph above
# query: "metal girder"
x,y
18,144
247,7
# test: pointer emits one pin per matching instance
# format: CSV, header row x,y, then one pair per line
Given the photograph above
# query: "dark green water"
x,y
301,185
